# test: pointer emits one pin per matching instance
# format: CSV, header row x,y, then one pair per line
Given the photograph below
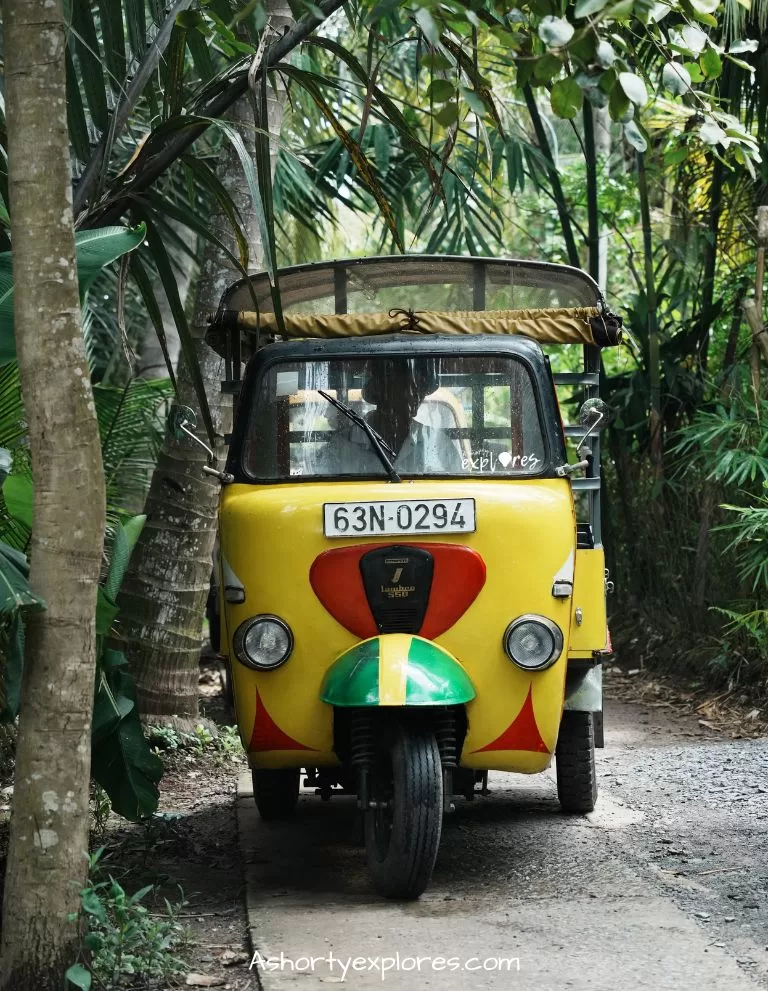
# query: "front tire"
x,y
402,838
575,760
276,793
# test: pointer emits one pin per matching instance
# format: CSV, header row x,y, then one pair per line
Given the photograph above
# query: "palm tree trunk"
x,y
49,829
164,592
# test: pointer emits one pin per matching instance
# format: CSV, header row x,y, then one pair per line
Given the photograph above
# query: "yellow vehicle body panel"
x,y
591,633
526,535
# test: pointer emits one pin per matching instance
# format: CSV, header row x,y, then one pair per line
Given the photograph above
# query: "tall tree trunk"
x,y
164,592
49,829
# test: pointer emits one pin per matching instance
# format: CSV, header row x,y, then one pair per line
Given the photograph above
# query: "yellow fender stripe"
x,y
393,668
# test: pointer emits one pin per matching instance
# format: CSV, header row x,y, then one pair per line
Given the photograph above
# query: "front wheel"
x,y
575,759
276,793
402,833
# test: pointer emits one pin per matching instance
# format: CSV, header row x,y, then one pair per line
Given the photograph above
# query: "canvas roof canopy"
x,y
418,294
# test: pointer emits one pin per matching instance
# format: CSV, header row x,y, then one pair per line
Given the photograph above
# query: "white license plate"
x,y
383,519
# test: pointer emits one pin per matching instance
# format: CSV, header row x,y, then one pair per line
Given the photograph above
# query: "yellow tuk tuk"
x,y
409,596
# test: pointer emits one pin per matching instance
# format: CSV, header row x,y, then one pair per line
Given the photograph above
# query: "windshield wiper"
x,y
385,453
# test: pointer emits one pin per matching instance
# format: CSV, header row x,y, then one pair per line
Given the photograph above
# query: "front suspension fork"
x,y
363,753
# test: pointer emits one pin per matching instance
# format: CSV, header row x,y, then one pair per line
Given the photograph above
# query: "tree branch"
x,y
152,162
90,177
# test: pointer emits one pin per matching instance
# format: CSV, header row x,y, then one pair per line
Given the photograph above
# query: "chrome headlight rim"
x,y
550,626
238,641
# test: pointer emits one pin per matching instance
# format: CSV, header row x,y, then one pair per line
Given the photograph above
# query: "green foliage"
x,y
132,426
125,944
95,250
100,809
749,539
729,444
224,744
121,763
16,601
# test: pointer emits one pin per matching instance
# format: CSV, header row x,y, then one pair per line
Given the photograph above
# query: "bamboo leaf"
x,y
480,85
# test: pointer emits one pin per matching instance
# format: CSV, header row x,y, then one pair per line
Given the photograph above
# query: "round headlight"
x,y
533,642
263,642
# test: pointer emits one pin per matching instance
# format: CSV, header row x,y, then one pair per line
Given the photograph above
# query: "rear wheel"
x,y
402,834
575,759
276,793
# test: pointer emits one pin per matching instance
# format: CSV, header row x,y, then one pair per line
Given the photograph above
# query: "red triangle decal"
x,y
522,733
267,735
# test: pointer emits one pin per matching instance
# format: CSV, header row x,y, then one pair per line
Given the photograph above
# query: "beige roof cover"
x,y
574,325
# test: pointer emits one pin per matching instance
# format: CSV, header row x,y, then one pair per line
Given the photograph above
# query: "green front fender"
x,y
396,669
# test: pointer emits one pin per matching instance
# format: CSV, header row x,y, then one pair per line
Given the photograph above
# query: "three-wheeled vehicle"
x,y
412,577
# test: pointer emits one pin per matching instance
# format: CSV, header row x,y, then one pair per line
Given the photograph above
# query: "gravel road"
x,y
664,886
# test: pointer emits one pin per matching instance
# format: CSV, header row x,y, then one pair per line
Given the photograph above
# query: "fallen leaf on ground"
x,y
229,958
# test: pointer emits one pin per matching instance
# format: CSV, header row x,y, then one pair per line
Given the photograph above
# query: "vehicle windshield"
x,y
468,415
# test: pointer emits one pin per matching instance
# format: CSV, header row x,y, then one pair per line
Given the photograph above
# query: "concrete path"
x,y
664,886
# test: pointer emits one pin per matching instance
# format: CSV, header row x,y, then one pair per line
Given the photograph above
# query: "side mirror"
x,y
594,414
181,421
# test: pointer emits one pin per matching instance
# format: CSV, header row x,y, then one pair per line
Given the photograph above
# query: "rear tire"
x,y
276,793
402,839
575,759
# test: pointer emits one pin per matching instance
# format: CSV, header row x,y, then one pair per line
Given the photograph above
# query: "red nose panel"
x,y
458,577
